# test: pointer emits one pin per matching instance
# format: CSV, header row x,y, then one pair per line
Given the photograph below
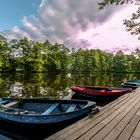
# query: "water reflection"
x,y
55,86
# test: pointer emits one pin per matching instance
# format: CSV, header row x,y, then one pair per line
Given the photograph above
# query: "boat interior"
x,y
99,88
24,107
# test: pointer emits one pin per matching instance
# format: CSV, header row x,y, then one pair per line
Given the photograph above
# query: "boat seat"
x,y
108,89
50,109
72,108
2,101
10,104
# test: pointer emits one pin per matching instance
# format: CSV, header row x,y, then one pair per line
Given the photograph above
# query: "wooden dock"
x,y
119,120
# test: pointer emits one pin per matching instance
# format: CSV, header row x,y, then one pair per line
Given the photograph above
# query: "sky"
x,y
12,12
74,23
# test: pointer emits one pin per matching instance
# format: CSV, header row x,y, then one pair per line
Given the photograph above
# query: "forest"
x,y
25,56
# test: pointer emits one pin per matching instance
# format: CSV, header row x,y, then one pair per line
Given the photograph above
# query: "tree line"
x,y
25,55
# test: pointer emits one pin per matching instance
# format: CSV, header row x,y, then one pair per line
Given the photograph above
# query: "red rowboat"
x,y
99,92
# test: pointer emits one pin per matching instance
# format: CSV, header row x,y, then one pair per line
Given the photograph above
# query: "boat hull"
x,y
131,84
78,95
98,93
40,126
38,131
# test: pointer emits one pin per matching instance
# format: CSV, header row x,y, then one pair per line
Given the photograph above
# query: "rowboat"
x,y
100,93
132,84
40,117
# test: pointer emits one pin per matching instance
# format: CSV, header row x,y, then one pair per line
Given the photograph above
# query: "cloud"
x,y
76,23
15,33
125,49
59,19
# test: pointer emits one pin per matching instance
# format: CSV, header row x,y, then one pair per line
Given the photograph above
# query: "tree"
x,y
133,24
136,60
12,53
103,63
104,3
77,60
64,58
86,63
4,64
36,57
52,56
120,62
26,46
94,60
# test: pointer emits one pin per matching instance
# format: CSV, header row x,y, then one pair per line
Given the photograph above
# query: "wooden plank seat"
x,y
50,109
2,101
71,108
17,110
10,104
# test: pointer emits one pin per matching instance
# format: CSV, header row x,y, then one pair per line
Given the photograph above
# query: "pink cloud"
x,y
79,24
112,34
125,50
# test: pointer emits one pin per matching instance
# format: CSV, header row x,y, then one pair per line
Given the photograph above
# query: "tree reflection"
x,y
55,86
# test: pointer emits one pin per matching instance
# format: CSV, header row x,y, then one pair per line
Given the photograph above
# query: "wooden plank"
x,y
133,138
80,127
72,108
127,119
3,101
136,133
97,128
111,124
2,137
122,124
90,134
75,133
87,120
88,128
123,109
10,104
50,109
112,135
113,103
127,132
83,129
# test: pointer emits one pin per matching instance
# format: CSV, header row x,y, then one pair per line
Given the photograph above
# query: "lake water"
x,y
56,86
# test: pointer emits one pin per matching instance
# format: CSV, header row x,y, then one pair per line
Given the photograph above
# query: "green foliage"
x,y
133,24
104,3
27,56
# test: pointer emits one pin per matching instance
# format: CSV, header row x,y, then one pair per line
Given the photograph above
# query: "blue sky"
x,y
12,12
75,23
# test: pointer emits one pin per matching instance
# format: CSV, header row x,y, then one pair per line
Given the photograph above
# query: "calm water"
x,y
55,86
